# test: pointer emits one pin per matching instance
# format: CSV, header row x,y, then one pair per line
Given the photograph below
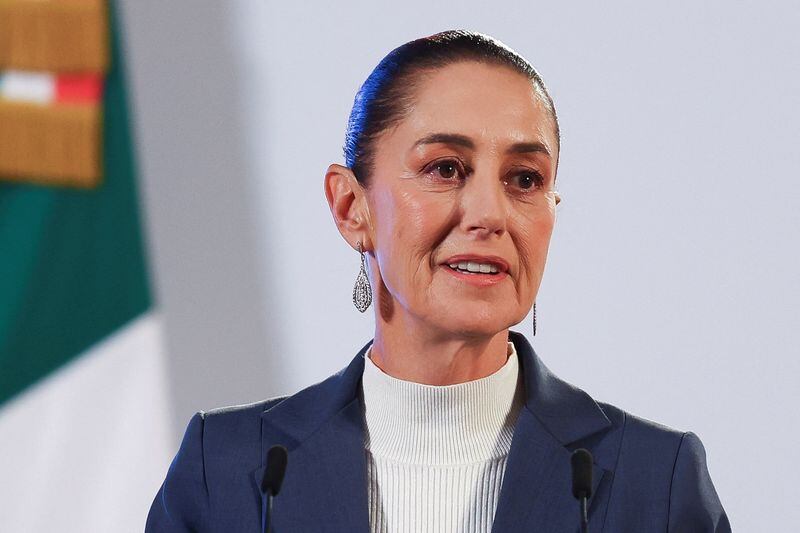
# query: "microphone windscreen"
x,y
581,473
277,457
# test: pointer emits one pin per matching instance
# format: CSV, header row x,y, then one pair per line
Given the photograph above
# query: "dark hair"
x,y
387,94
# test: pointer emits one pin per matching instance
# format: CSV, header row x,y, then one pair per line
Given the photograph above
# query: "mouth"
x,y
477,264
477,270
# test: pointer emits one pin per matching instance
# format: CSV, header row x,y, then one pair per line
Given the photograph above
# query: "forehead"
x,y
494,105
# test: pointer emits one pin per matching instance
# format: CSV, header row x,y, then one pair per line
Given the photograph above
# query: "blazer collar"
x,y
322,428
537,486
566,411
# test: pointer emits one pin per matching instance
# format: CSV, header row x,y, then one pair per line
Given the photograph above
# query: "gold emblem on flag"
x,y
53,59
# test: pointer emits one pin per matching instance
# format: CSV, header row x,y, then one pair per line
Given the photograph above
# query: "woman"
x,y
446,420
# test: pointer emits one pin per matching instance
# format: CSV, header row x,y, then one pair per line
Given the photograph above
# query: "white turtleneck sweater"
x,y
436,455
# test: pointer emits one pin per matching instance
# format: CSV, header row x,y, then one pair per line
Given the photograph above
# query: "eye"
x,y
527,180
446,169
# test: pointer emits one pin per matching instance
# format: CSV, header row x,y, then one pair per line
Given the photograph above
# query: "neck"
x,y
437,358
454,424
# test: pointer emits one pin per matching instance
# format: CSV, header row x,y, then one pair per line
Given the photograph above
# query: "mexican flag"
x,y
85,435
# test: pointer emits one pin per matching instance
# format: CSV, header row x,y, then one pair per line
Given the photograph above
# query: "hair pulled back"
x,y
386,97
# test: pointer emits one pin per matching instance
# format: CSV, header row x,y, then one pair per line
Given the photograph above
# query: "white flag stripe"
x,y
87,448
26,86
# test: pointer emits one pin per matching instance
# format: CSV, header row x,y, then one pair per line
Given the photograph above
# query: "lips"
x,y
497,262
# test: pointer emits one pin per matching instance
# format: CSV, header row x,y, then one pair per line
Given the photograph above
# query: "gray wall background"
x,y
672,282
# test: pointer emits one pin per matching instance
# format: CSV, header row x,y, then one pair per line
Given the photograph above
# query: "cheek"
x,y
417,224
410,215
541,231
533,241
410,224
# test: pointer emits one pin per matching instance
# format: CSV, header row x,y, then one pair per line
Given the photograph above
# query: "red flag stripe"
x,y
79,88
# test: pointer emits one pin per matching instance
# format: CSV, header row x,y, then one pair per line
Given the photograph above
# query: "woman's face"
x,y
466,177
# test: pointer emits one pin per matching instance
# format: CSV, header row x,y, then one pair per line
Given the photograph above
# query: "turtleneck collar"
x,y
469,422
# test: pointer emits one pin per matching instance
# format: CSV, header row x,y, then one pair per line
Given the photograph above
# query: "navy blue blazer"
x,y
647,477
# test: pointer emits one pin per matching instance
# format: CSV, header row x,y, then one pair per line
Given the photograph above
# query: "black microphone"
x,y
277,457
582,482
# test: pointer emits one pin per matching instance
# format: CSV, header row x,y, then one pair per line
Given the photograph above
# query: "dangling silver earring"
x,y
362,292
534,319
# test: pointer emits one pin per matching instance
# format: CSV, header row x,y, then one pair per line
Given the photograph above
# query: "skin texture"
x,y
427,203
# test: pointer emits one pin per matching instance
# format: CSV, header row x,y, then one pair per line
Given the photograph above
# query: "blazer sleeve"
x,y
182,501
694,504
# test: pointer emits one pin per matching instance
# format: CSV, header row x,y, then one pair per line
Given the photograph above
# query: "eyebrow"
x,y
466,142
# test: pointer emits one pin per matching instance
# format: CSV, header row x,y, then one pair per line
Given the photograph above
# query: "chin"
x,y
475,325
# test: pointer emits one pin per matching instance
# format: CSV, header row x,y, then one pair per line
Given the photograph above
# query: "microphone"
x,y
277,457
582,482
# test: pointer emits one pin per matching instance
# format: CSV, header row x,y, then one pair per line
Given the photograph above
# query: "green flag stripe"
x,y
72,264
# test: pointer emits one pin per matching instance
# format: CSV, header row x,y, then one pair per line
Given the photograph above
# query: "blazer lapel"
x,y
326,480
325,487
537,486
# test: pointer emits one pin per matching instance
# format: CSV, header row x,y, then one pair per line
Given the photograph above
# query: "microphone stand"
x,y
584,515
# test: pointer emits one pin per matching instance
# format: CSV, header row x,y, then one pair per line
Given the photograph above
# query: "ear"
x,y
348,204
558,197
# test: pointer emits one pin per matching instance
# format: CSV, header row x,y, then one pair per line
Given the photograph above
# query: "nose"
x,y
484,206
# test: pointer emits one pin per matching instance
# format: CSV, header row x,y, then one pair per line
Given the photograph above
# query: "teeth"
x,y
471,266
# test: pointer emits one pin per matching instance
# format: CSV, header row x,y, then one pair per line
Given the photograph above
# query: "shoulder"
x,y
663,470
231,422
237,417
225,428
638,431
642,443
221,451
241,423
216,445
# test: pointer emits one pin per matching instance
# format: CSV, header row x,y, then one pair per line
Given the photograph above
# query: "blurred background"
x,y
203,268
